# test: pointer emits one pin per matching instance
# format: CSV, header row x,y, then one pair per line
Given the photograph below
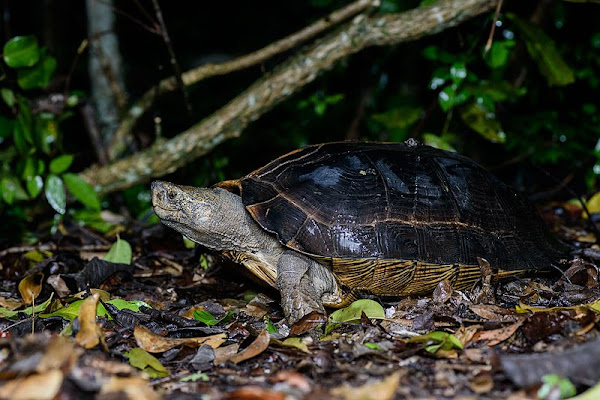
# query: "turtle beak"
x,y
160,200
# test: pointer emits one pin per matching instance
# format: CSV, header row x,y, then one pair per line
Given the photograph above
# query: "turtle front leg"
x,y
302,282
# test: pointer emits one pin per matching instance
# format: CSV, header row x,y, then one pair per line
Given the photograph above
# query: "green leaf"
x,y
483,122
39,75
121,304
297,343
21,51
82,191
439,142
20,137
271,328
55,193
12,190
205,317
544,52
458,71
8,96
551,382
46,128
39,308
499,53
400,117
198,376
141,359
436,340
6,127
60,164
69,312
353,313
120,252
372,345
93,219
34,185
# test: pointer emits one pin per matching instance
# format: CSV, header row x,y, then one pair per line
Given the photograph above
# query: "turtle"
x,y
330,223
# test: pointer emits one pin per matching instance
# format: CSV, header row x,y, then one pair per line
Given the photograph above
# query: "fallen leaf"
x,y
119,253
157,344
437,340
259,345
44,386
293,379
493,312
497,336
524,308
90,334
353,313
254,393
382,390
145,361
131,388
593,204
443,291
60,354
464,335
223,354
31,286
10,304
482,382
295,342
59,286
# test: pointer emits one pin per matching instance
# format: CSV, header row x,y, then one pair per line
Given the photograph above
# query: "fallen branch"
x,y
123,134
166,156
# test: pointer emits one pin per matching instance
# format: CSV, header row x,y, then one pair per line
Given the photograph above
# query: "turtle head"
x,y
201,214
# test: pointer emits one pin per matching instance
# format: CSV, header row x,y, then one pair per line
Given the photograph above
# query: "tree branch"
x,y
166,156
123,134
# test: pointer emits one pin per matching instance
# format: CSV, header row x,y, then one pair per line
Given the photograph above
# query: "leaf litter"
x,y
174,327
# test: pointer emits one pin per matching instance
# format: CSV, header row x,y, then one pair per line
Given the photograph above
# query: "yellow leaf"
x,y
31,286
593,204
90,334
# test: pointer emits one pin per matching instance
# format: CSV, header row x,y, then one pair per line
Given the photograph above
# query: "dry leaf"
x,y
90,333
382,390
37,386
496,336
259,345
465,335
132,388
493,312
10,304
293,379
254,393
59,286
223,354
153,343
31,286
443,291
482,382
60,354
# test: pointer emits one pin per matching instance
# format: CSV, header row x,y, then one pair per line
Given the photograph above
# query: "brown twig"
x,y
488,44
176,68
228,122
193,76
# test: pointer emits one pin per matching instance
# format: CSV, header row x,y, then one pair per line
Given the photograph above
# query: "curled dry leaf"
x,y
259,345
90,333
153,343
31,286
223,354
44,386
10,303
382,390
497,336
129,389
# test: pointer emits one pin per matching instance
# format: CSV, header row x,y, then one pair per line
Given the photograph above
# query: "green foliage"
x,y
354,312
556,387
120,252
320,102
437,340
32,159
141,359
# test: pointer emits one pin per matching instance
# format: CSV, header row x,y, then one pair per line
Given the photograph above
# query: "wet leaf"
x,y
55,193
483,122
353,313
157,344
43,386
82,191
554,383
544,52
21,51
90,334
382,390
259,345
119,253
31,286
141,359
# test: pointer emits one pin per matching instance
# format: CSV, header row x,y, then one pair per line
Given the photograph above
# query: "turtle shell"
x,y
392,211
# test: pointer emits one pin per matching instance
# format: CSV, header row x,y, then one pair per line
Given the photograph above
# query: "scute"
x,y
355,200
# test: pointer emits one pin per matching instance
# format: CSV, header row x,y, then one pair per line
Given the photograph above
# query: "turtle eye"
x,y
171,195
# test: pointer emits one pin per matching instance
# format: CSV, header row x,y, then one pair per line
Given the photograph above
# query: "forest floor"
x,y
176,323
